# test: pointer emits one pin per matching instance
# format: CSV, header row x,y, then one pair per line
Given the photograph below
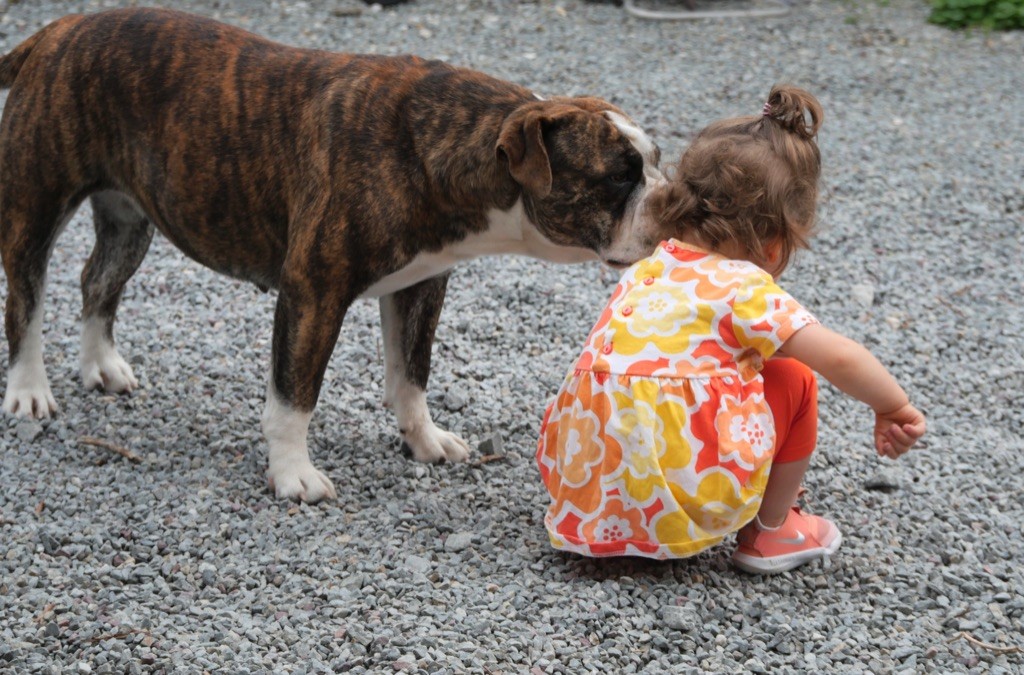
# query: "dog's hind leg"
x,y
123,235
408,319
29,226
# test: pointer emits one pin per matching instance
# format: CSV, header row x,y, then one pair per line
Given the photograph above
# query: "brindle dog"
x,y
325,176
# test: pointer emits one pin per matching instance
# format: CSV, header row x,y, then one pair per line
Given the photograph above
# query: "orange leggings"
x,y
792,393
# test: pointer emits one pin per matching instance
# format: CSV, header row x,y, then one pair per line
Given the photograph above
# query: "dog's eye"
x,y
620,178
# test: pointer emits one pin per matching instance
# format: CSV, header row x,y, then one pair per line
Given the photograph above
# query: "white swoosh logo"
x,y
796,541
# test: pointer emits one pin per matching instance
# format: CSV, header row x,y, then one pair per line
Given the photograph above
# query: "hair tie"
x,y
766,111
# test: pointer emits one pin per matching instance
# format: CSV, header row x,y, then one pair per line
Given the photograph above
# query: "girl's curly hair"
x,y
750,181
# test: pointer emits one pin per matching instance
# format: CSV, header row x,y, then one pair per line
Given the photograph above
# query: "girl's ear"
x,y
773,255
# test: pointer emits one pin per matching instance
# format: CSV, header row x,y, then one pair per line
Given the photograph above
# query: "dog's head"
x,y
585,169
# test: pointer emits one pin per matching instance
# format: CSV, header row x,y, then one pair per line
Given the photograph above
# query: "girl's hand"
x,y
897,431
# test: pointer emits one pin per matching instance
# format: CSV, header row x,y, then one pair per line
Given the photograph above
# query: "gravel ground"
x,y
185,562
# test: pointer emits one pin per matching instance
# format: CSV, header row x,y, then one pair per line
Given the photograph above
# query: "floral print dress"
x,y
660,441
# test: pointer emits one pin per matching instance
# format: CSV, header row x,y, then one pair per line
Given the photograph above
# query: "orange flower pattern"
x,y
659,442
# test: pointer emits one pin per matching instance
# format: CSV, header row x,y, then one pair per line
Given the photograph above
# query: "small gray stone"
x,y
458,541
208,574
359,636
679,617
28,430
144,572
50,544
51,630
417,564
492,445
864,294
343,8
454,400
885,480
355,581
754,665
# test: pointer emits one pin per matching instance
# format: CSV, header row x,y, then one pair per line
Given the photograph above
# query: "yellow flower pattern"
x,y
659,442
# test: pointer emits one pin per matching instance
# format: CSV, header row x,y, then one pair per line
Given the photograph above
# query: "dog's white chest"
x,y
509,232
422,267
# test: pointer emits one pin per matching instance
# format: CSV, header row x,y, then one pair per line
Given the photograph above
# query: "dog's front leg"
x,y
408,319
306,325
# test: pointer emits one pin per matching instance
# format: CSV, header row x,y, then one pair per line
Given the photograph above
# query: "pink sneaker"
x,y
800,539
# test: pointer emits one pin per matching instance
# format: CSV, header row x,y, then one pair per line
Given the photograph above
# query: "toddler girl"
x,y
692,412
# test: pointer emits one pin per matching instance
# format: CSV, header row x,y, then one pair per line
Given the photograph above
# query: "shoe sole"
x,y
784,563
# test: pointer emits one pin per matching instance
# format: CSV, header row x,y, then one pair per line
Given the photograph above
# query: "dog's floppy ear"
x,y
521,143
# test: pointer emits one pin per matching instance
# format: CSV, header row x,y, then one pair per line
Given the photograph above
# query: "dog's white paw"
x,y
29,399
101,366
430,444
111,373
300,481
107,370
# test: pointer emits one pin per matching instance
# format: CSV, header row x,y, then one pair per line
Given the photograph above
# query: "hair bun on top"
x,y
795,110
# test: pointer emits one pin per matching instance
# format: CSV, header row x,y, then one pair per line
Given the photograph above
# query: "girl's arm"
x,y
853,369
